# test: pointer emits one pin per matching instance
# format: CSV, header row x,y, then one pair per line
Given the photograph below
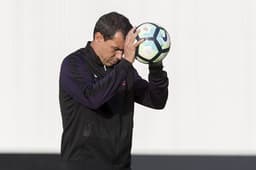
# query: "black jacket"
x,y
97,106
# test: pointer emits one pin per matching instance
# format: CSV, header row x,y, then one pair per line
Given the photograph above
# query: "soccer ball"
x,y
156,44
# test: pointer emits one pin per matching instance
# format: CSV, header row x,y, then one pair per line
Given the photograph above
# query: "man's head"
x,y
109,37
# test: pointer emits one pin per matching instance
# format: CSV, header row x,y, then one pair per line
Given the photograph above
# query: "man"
x,y
98,88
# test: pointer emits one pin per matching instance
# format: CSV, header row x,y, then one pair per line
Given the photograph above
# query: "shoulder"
x,y
74,60
74,63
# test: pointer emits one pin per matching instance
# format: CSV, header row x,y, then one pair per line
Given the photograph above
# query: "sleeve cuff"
x,y
125,64
156,67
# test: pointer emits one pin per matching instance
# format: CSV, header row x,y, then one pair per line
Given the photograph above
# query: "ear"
x,y
98,37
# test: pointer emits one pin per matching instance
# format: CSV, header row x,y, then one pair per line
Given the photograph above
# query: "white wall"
x,y
211,107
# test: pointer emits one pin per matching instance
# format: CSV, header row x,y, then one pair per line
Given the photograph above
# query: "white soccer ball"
x,y
156,45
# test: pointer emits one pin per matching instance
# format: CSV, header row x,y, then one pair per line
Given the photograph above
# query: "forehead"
x,y
117,40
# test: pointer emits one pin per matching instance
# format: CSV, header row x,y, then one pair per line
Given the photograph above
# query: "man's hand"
x,y
130,45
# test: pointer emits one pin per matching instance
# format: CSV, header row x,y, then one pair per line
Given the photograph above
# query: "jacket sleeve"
x,y
152,93
80,85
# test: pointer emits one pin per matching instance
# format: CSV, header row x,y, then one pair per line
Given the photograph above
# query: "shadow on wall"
x,y
139,162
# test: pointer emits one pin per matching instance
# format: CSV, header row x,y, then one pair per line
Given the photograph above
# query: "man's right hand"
x,y
130,45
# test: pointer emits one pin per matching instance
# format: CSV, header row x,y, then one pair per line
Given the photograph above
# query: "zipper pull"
x,y
105,68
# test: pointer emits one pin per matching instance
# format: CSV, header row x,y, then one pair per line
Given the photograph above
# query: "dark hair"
x,y
111,23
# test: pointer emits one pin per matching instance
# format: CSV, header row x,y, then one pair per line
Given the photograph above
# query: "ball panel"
x,y
163,39
161,57
146,30
141,60
147,49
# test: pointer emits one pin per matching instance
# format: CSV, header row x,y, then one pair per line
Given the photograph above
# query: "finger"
x,y
136,32
130,34
139,42
132,31
133,36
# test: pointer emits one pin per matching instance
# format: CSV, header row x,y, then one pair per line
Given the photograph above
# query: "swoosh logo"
x,y
165,36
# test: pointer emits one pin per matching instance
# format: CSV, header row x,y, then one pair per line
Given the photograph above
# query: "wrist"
x,y
156,66
130,60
